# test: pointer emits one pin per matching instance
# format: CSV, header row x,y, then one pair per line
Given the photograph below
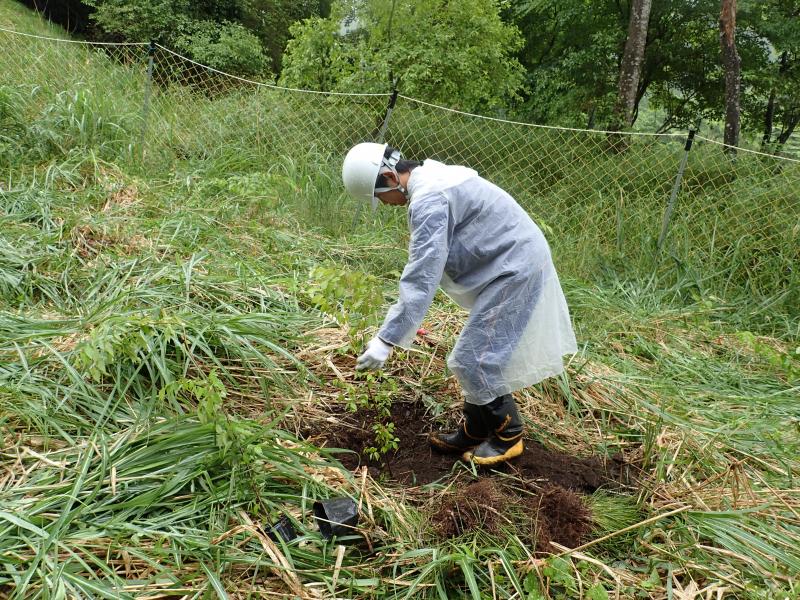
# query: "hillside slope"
x,y
178,331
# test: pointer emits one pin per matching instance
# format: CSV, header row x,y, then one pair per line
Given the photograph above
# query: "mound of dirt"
x,y
562,517
556,514
415,463
477,506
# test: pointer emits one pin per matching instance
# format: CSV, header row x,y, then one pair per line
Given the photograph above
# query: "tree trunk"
x,y
631,66
733,66
769,117
791,122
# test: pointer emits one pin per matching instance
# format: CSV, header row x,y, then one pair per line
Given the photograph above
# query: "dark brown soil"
x,y
555,514
415,463
477,506
562,517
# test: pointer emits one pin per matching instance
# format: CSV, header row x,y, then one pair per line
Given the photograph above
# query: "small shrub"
x,y
352,298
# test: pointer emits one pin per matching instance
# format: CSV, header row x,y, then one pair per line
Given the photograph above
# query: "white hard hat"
x,y
361,168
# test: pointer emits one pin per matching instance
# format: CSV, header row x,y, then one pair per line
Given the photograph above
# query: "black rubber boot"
x,y
472,432
502,417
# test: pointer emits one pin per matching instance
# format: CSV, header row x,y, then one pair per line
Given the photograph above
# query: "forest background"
x,y
650,65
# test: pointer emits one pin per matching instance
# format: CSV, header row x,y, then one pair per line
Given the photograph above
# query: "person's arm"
x,y
427,255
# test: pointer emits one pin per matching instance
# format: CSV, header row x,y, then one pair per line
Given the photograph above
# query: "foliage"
x,y
558,581
115,340
139,21
569,81
208,32
572,83
787,361
225,46
687,73
777,77
351,297
209,393
271,20
458,54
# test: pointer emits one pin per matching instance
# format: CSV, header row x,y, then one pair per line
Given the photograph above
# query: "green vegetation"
x,y
572,55
553,62
460,53
163,344
245,37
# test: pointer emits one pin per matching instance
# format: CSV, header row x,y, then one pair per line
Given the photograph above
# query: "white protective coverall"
x,y
473,239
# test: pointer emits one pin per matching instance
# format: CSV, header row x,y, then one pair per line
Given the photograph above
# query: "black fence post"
x,y
387,117
380,139
675,188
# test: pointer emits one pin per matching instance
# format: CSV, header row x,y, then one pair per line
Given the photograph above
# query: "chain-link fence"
x,y
625,201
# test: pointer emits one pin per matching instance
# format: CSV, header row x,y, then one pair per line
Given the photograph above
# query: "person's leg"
x,y
505,433
487,341
472,432
497,320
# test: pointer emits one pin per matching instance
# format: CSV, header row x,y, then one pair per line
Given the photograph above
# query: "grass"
x,y
160,351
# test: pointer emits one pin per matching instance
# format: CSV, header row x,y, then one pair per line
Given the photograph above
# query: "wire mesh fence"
x,y
601,198
273,120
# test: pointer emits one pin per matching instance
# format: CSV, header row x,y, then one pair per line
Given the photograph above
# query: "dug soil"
x,y
415,463
554,514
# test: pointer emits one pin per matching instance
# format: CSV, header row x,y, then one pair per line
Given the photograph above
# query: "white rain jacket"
x,y
473,239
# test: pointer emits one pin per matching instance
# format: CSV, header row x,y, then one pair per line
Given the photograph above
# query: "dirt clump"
x,y
561,516
477,506
554,514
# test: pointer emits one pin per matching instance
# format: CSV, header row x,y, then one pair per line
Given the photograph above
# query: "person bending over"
x,y
471,238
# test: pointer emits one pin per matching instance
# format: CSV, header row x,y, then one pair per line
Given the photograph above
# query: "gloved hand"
x,y
374,356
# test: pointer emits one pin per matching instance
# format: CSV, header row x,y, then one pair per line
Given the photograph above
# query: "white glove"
x,y
374,356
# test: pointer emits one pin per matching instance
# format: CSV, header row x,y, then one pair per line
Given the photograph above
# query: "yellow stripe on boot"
x,y
513,452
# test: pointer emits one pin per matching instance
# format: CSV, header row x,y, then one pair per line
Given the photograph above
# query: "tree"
x,y
458,53
570,55
574,49
733,67
769,113
775,103
683,71
207,31
245,37
270,20
630,68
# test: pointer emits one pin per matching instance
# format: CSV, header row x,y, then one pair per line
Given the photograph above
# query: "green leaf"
x,y
597,592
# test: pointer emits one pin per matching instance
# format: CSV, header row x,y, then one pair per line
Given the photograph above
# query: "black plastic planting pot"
x,y
336,516
282,529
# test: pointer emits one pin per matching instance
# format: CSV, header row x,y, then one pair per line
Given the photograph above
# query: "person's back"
x,y
490,235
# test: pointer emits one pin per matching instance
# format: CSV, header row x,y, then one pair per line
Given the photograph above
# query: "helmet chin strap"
x,y
388,166
399,187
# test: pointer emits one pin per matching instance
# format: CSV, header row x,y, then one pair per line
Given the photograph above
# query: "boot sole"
x,y
513,452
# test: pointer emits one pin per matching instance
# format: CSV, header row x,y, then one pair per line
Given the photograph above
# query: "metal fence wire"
x,y
603,199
